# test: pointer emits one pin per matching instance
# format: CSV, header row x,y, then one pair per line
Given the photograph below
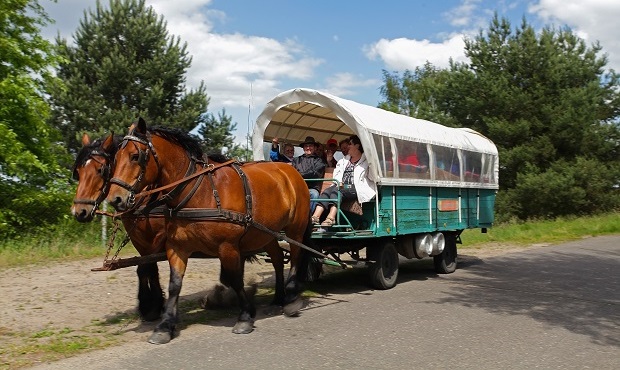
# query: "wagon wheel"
x,y
445,262
384,271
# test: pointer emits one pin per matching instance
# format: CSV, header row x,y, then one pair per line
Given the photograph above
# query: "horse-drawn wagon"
x,y
421,208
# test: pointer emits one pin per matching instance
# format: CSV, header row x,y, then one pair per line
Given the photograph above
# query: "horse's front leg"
x,y
164,331
232,275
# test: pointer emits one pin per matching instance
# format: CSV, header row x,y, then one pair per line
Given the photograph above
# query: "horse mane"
x,y
217,157
84,154
187,141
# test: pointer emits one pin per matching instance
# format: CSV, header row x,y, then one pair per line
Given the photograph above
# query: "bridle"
x,y
143,159
105,172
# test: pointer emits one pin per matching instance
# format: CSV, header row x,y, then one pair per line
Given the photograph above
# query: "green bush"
x,y
581,187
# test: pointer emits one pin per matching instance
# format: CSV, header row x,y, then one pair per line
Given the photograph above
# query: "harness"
x,y
199,214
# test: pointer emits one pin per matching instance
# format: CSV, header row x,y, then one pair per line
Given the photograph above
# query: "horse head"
x,y
92,170
134,170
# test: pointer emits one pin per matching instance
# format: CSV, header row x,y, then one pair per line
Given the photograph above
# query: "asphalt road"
x,y
548,307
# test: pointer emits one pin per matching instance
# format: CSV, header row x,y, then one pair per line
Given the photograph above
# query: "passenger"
x,y
276,156
332,147
344,146
412,159
353,177
310,166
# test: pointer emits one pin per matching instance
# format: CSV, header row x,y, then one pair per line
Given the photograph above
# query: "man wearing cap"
x,y
332,147
310,166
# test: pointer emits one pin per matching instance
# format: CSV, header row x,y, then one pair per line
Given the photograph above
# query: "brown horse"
x,y
92,170
226,212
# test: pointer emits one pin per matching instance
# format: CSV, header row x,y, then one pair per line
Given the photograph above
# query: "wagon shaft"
x,y
115,264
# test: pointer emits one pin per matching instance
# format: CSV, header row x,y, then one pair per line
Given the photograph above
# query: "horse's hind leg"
x,y
300,259
277,260
164,331
232,275
150,294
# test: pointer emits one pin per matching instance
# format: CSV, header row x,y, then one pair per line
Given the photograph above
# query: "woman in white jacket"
x,y
351,172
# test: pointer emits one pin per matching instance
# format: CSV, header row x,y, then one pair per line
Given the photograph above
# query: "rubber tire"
x,y
384,272
445,262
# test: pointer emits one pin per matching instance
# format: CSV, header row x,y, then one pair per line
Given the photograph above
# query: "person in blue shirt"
x,y
276,156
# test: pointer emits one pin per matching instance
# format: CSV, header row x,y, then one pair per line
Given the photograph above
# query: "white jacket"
x,y
364,186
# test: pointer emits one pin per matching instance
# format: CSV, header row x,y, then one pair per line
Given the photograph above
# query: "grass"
x,y
544,231
68,240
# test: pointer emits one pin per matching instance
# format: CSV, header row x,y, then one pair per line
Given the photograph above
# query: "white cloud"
x,y
591,20
233,64
464,14
345,84
402,53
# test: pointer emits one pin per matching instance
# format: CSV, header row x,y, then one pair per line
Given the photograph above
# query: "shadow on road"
x,y
556,288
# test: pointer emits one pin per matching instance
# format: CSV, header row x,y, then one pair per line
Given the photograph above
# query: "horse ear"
x,y
108,144
85,139
141,125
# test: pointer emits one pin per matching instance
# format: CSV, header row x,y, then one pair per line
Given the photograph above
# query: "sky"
x,y
247,52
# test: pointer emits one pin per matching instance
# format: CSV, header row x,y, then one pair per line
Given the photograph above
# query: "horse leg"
x,y
232,275
164,331
277,260
300,259
150,294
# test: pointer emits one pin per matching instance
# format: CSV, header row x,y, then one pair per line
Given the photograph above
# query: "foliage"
x,y
216,134
121,65
550,231
31,178
548,104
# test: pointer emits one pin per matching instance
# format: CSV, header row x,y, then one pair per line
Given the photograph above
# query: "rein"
x,y
200,214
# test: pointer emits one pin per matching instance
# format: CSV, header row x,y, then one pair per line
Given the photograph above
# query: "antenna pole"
x,y
247,137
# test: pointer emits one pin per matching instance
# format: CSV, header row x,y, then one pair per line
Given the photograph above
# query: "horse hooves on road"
x,y
293,308
160,337
243,327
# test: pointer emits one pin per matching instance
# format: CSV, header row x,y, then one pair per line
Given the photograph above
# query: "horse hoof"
x,y
243,327
273,310
293,308
160,337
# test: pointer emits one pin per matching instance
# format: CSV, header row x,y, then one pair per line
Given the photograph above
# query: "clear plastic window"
x,y
446,165
384,151
472,166
413,160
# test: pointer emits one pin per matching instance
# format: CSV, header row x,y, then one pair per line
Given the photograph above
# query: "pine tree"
x,y
123,64
216,133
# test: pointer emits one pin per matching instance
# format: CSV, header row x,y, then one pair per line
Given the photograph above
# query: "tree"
x,y
550,106
123,64
32,183
216,134
417,94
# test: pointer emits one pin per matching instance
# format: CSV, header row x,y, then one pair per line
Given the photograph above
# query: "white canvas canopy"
x,y
297,113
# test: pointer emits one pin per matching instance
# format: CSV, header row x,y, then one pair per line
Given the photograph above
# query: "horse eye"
x,y
134,157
